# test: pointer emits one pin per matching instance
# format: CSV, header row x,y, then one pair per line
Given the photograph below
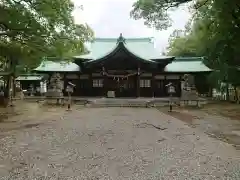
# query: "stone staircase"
x,y
114,102
141,102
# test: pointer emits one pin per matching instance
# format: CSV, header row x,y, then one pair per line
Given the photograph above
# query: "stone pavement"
x,y
114,143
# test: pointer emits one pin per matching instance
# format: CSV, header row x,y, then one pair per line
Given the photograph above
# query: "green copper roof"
x,y
141,47
187,65
52,66
29,78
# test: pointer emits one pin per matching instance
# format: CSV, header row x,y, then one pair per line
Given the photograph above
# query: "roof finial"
x,y
121,39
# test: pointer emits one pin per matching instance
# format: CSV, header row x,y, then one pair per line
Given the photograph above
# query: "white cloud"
x,y
109,18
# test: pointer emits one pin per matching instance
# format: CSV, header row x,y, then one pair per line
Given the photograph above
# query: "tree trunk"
x,y
236,94
210,93
227,91
13,69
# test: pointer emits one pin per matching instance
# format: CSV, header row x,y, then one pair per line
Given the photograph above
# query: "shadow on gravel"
x,y
225,109
32,125
218,121
7,113
23,115
145,125
21,127
181,115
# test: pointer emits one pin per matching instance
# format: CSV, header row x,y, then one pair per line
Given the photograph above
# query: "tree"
x,y
181,45
213,34
31,29
155,12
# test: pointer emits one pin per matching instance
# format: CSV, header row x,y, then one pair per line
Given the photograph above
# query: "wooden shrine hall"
x,y
124,67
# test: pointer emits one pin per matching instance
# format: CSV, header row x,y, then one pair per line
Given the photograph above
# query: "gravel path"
x,y
116,144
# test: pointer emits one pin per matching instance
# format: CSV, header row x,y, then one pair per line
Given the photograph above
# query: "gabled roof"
x,y
187,65
143,48
61,66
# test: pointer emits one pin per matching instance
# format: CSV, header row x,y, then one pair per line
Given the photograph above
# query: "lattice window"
x,y
97,82
145,83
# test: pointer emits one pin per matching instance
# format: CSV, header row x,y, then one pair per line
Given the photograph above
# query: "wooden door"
x,y
160,89
128,88
85,87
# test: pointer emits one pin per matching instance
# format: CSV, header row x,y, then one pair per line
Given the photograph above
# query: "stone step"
x,y
124,104
140,104
118,105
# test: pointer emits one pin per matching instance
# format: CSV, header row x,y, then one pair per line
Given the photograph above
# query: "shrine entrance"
x,y
122,85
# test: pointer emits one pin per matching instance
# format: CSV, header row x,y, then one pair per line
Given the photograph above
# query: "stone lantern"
x,y
55,87
69,90
171,90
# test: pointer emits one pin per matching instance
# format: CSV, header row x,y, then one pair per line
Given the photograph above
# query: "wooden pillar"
x,y
78,85
64,84
90,85
105,82
153,85
180,87
164,86
49,79
138,82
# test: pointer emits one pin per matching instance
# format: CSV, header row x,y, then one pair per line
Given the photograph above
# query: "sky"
x,y
109,18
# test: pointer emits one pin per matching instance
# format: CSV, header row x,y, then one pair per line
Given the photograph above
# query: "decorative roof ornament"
x,y
121,39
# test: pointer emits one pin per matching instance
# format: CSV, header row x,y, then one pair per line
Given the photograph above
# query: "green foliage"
x,y
31,29
213,32
155,12
182,46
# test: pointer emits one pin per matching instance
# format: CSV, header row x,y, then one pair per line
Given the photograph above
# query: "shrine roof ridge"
x,y
137,39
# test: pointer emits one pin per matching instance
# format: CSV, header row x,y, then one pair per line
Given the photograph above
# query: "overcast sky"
x,y
109,18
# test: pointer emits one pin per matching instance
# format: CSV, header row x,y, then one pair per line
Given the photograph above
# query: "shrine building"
x,y
129,67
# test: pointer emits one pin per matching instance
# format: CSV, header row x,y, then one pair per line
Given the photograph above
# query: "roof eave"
x,y
40,68
42,71
82,58
207,71
164,61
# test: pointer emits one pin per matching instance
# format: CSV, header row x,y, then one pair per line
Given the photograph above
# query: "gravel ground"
x,y
114,143
215,125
